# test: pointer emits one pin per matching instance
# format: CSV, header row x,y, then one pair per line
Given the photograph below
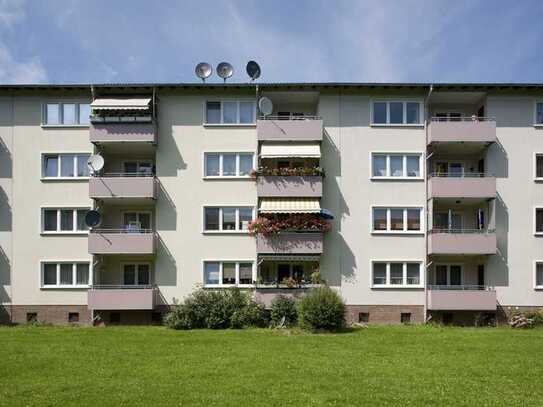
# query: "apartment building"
x,y
415,201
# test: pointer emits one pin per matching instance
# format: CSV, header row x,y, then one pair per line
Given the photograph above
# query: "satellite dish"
x,y
225,70
253,70
95,162
203,71
265,106
93,218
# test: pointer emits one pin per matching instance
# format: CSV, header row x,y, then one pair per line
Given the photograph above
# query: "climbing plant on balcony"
x,y
270,224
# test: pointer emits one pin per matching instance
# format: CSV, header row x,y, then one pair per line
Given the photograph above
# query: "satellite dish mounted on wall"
x,y
203,71
95,162
265,106
93,218
225,70
253,70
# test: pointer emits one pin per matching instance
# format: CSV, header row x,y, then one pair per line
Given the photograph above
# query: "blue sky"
x,y
333,40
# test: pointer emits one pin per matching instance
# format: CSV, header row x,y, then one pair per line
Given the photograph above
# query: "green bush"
x,y
216,309
283,311
322,309
536,316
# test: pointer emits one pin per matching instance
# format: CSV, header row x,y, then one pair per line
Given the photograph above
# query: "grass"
x,y
136,366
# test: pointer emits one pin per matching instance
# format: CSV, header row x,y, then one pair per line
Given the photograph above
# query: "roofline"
x,y
308,85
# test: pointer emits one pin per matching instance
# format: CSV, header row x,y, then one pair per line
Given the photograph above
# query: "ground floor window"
x,y
65,274
448,274
137,274
539,275
228,273
396,274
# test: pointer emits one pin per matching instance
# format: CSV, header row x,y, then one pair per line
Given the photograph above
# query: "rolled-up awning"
x,y
121,104
284,257
290,205
275,150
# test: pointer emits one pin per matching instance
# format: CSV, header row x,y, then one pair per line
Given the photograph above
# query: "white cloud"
x,y
12,12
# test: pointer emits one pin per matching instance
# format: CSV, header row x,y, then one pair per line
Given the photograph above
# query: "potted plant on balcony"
x,y
270,224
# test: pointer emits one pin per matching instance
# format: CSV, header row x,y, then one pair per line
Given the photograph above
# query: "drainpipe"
x,y
426,158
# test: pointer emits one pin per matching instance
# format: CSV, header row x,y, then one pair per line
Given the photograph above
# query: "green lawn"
x,y
50,366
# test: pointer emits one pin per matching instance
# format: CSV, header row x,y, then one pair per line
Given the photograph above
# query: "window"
x,y
66,114
396,274
539,275
448,274
228,164
396,165
65,274
405,317
141,168
364,317
539,113
228,273
230,112
227,219
137,222
65,165
136,274
64,220
397,220
396,113
539,166
31,317
539,221
73,317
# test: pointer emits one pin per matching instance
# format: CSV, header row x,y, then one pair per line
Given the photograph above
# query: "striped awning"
x,y
283,257
283,150
121,104
290,205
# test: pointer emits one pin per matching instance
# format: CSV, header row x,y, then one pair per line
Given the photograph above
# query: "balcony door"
x,y
136,274
450,169
448,221
138,167
135,221
448,274
448,116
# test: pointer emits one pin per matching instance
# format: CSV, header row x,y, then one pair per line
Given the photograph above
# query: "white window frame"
x,y
448,265
404,284
59,177
537,287
61,113
138,213
404,120
222,101
221,285
74,264
404,154
536,178
138,162
221,207
536,102
220,154
536,208
58,231
389,231
137,264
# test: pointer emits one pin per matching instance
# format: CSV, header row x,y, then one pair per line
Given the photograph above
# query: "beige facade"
x,y
451,191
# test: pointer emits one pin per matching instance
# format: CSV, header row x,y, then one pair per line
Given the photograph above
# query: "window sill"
x,y
227,177
250,125
86,233
64,287
398,232
402,179
65,126
228,285
397,287
538,287
538,125
225,232
62,179
538,234
418,125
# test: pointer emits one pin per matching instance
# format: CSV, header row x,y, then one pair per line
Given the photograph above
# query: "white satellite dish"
x,y
203,70
265,106
95,162
225,70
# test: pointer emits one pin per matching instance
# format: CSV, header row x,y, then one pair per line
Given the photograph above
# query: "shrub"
x,y
322,309
535,316
216,309
283,311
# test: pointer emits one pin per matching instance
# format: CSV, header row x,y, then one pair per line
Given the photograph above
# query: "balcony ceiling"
x,y
298,97
457,98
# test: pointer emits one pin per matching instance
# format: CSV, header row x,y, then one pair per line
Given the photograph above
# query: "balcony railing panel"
x,y
292,129
290,243
106,132
289,186
120,298
461,298
467,185
267,295
461,241
122,186
122,241
466,129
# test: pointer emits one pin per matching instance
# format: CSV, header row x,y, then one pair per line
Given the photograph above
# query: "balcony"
x,y
469,185
122,241
461,242
266,295
290,243
123,132
122,186
120,298
462,130
276,128
461,298
289,186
